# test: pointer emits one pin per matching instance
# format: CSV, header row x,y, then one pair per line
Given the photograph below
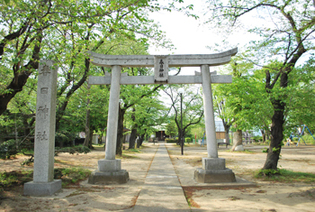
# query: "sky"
x,y
191,36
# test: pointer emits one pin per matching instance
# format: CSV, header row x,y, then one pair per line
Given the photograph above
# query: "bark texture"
x,y
237,139
276,128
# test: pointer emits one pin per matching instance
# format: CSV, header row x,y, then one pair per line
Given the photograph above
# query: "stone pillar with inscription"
x,y
43,178
213,168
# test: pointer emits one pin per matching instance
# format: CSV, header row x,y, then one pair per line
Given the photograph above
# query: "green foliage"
x,y
281,45
244,103
71,176
275,149
171,129
265,150
73,150
64,32
188,140
257,138
308,139
64,138
132,151
301,95
14,178
198,130
285,176
192,107
8,149
171,140
268,172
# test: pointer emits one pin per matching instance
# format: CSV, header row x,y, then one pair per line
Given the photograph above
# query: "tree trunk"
x,y
276,137
87,122
14,87
263,135
237,139
276,128
133,138
140,140
21,76
62,109
88,137
179,135
227,129
120,131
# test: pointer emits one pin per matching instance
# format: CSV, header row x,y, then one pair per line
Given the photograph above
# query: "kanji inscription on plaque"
x,y
161,68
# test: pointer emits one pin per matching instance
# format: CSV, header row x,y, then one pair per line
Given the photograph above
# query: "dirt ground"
x,y
266,196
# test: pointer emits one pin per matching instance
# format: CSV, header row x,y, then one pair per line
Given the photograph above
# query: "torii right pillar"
x,y
213,168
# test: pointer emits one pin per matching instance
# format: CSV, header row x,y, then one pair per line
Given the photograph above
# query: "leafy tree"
x,y
300,98
147,114
64,31
131,95
171,129
286,38
243,103
192,112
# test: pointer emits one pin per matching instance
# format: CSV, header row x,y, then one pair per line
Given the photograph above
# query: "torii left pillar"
x,y
109,169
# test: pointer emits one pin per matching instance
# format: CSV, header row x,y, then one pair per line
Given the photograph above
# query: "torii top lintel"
x,y
187,60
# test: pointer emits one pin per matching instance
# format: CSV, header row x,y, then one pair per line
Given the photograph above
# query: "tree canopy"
x,y
287,34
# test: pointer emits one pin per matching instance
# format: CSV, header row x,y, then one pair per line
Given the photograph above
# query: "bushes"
x,y
7,149
175,140
69,176
64,139
308,139
72,150
257,138
170,140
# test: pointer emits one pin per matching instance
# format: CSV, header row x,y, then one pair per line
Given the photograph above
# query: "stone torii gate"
x,y
213,168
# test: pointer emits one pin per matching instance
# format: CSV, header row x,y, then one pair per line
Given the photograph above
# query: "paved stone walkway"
x,y
162,190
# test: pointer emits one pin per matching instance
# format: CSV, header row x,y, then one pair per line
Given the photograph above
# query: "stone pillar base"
x,y
109,172
42,189
213,171
214,176
109,177
105,165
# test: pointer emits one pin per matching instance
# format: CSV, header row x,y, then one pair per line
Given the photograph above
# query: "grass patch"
x,y
285,176
71,150
249,151
98,145
132,151
65,162
14,178
246,151
26,152
124,156
127,154
71,176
